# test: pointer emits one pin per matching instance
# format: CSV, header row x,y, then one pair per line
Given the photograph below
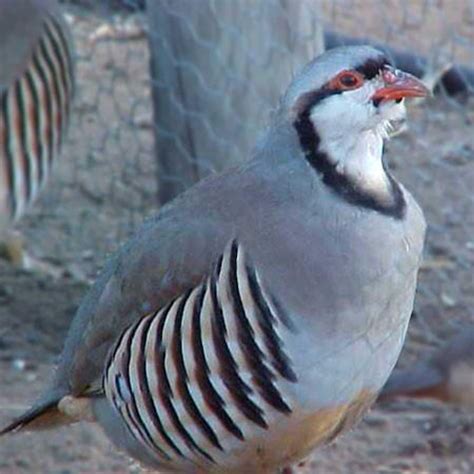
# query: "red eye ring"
x,y
347,80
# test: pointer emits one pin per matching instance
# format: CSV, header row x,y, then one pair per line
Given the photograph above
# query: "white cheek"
x,y
337,116
392,110
352,112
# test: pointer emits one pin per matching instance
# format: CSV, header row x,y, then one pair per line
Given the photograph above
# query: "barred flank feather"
x,y
206,370
34,115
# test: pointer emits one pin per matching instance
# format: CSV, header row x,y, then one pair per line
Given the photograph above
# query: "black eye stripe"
x,y
308,100
372,67
369,70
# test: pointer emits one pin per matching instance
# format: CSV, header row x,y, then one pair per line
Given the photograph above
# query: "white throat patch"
x,y
352,132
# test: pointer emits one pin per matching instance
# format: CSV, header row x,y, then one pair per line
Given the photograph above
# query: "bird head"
x,y
351,90
341,106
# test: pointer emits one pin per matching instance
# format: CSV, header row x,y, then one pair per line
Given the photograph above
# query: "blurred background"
x,y
173,91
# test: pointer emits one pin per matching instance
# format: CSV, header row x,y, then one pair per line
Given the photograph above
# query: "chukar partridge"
x,y
258,315
448,375
36,90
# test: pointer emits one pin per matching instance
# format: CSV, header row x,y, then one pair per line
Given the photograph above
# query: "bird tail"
x,y
43,415
56,409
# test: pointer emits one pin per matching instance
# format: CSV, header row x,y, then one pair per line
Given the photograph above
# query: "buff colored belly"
x,y
293,440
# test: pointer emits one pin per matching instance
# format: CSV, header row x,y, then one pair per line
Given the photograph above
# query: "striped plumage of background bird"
x,y
36,91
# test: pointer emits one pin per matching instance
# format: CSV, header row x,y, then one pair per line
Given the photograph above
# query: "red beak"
x,y
399,84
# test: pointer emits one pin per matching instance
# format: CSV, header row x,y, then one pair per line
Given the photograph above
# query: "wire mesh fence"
x,y
221,66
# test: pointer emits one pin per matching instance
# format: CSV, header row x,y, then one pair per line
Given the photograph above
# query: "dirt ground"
x,y
105,186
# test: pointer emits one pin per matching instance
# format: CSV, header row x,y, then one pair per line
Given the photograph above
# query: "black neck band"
x,y
340,183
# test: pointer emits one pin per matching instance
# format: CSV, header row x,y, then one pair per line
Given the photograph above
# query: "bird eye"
x,y
348,80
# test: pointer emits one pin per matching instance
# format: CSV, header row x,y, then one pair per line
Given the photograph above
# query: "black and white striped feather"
x,y
34,115
206,371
